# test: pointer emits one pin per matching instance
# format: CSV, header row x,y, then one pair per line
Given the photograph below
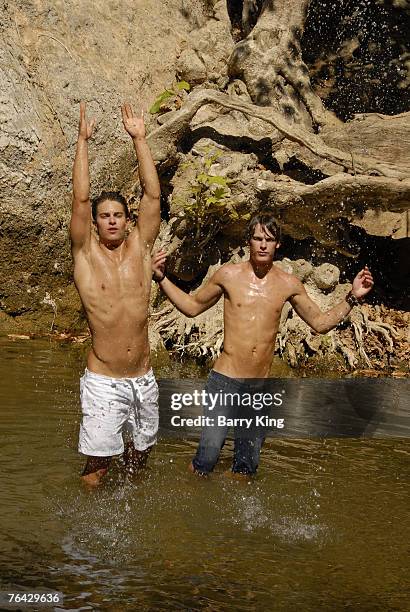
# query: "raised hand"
x,y
158,261
134,125
85,129
362,283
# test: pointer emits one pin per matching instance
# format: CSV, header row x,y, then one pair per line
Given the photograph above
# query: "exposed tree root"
x,y
164,140
341,188
200,337
269,60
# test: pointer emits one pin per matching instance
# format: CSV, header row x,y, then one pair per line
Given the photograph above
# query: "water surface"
x,y
323,526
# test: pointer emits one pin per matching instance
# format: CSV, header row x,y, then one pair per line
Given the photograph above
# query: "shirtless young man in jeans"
x,y
112,273
255,292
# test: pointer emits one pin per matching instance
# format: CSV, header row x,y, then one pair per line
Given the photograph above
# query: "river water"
x,y
323,526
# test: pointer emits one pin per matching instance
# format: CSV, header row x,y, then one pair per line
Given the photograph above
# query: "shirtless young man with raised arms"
x,y
254,293
112,274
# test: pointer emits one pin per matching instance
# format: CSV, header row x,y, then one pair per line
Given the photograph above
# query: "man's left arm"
x,y
322,322
149,215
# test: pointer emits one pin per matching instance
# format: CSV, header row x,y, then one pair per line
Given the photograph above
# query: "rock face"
x,y
52,55
206,57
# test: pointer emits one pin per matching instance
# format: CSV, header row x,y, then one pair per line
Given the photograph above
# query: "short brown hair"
x,y
115,196
267,221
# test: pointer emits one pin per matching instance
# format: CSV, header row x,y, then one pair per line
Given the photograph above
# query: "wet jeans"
x,y
247,441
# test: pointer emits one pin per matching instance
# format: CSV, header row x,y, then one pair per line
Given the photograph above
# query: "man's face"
x,y
262,245
111,222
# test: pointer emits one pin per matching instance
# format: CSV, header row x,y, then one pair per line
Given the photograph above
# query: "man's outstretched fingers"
x,y
126,111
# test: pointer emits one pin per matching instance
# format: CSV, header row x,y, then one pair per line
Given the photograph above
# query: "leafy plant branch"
x,y
210,205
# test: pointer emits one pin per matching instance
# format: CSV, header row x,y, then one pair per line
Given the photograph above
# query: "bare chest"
x,y
125,279
101,281
255,300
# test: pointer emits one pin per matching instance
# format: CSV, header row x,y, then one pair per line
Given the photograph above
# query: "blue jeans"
x,y
247,443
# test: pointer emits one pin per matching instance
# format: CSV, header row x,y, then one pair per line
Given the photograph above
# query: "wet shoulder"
x,y
290,283
230,273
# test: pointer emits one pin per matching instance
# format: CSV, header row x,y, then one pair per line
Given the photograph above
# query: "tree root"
x,y
164,140
390,193
197,338
358,333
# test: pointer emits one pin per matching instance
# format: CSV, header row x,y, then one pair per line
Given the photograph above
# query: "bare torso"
x,y
252,309
114,287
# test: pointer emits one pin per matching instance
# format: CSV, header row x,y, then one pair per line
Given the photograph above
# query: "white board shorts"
x,y
116,407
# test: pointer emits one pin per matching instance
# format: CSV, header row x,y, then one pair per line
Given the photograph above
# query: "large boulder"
x,y
326,276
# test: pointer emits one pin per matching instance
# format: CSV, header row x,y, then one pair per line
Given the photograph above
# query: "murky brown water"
x,y
324,526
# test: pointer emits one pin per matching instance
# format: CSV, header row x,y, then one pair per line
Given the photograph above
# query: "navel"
x,y
102,286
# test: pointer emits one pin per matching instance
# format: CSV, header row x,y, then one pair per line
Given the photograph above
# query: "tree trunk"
x,y
269,61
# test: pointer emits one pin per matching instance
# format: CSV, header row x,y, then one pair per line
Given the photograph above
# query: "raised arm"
x,y
322,322
149,216
189,304
80,227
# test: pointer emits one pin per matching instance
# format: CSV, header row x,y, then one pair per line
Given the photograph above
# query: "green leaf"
x,y
185,165
217,180
202,178
183,85
160,100
220,192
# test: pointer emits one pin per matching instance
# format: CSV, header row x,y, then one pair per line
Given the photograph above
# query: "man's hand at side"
x,y
189,304
322,322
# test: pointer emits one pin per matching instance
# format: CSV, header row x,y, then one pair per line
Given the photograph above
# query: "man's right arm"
x,y
189,304
320,321
80,227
